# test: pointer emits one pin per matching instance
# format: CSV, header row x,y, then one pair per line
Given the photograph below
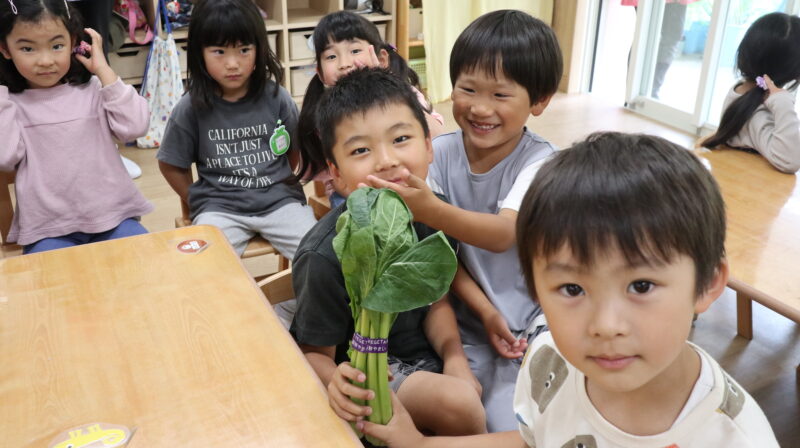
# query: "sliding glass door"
x,y
682,59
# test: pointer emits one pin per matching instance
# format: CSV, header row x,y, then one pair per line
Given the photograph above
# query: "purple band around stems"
x,y
368,345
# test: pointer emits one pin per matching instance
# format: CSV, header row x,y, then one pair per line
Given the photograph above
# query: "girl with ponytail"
x,y
758,113
343,41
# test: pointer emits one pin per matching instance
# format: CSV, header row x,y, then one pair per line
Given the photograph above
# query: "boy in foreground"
x,y
621,239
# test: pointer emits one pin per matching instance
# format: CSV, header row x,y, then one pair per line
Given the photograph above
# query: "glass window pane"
x,y
678,56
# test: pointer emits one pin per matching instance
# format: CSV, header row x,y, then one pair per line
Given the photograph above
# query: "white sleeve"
x,y
433,185
513,199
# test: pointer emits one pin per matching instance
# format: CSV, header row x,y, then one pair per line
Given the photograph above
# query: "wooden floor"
x,y
765,366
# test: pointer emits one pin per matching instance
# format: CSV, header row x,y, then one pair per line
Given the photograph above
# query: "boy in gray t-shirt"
x,y
485,168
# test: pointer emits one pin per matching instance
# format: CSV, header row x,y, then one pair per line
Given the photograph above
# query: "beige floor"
x,y
765,366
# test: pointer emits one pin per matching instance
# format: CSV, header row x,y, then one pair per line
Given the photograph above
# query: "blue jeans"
x,y
129,227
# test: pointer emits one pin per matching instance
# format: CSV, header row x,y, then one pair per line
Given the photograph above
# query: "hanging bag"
x,y
131,11
162,85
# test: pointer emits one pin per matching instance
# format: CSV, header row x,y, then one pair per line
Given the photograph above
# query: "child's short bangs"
x,y
224,29
643,195
523,47
342,26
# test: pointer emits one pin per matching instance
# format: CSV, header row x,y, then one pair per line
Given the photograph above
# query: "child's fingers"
x,y
373,57
94,36
351,372
346,409
351,390
380,183
82,59
414,181
400,425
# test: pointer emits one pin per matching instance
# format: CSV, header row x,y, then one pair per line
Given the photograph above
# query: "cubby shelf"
x,y
285,18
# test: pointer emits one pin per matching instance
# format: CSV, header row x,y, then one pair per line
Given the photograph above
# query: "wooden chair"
x,y
256,247
6,209
319,200
277,287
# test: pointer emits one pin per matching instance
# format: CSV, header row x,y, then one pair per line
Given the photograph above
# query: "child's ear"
x,y
4,50
334,170
715,288
383,58
540,106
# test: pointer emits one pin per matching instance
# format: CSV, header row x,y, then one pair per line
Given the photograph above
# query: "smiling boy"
x,y
505,67
370,123
622,241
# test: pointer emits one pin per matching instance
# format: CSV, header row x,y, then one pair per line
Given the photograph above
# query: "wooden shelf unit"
x,y
283,17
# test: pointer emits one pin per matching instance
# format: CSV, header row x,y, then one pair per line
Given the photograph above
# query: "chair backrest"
x,y
6,206
278,287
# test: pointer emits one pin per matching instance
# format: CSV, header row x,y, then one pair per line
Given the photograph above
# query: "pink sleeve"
x,y
12,147
126,111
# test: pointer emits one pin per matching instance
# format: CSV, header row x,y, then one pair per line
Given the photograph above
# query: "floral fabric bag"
x,y
162,85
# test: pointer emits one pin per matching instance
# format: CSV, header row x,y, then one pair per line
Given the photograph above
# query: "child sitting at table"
x,y
619,282
371,123
759,111
61,106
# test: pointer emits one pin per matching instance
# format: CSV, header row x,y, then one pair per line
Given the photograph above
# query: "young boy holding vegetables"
x,y
371,123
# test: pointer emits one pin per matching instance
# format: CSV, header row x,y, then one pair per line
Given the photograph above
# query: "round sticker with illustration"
x,y
192,246
280,140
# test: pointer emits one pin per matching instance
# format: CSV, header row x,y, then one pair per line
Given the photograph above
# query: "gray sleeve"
x,y
179,145
288,111
778,140
436,169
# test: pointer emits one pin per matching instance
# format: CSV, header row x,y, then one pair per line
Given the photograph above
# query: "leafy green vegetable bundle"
x,y
387,270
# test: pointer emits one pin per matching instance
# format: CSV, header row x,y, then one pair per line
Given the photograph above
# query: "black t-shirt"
x,y
323,316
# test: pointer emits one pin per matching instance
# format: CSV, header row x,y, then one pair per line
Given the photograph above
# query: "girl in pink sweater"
x,y
59,109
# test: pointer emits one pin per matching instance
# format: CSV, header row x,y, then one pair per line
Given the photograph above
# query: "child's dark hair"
x,y
221,23
640,193
771,46
33,12
524,47
358,92
336,27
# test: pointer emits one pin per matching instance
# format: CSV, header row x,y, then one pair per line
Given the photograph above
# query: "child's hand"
x,y
373,59
340,390
501,338
400,432
771,87
96,61
416,194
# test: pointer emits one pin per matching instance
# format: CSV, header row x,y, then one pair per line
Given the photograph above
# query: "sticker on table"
x,y
192,246
93,435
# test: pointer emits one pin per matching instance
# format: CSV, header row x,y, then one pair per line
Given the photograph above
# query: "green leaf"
x,y
394,231
420,277
358,257
359,205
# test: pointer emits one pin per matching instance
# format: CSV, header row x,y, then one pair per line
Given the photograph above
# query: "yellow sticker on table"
x,y
93,435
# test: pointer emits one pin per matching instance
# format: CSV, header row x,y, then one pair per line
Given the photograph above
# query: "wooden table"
x,y
763,237
184,347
